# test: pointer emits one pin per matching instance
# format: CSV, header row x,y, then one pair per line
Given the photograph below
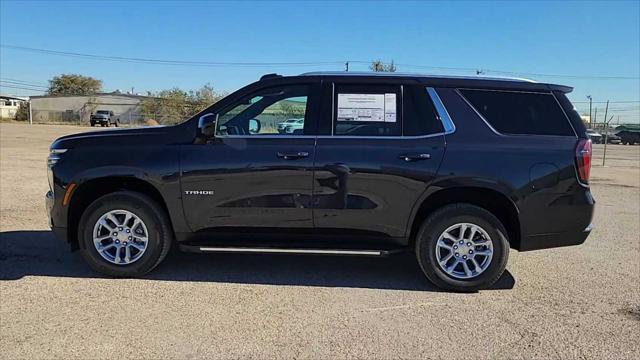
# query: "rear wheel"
x,y
124,234
462,247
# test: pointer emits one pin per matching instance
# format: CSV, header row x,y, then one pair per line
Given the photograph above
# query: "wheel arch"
x,y
89,190
490,199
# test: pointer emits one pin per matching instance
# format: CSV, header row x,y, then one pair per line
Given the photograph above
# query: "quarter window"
x,y
274,111
420,117
513,112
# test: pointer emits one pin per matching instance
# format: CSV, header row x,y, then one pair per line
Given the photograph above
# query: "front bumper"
x,y
59,231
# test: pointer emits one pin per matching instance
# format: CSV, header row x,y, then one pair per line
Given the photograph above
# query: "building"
x,y
9,105
78,108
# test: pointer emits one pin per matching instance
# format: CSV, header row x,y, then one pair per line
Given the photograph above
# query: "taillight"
x,y
583,160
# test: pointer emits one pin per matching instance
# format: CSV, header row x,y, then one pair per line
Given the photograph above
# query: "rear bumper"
x,y
546,241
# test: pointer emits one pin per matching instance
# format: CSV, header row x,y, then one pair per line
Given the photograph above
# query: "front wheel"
x,y
462,247
124,234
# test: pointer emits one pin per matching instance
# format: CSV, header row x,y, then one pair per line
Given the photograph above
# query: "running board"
x,y
263,250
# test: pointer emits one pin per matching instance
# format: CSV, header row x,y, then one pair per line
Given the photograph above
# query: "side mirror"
x,y
254,126
207,125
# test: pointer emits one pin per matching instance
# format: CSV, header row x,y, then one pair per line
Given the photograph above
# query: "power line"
x,y
316,63
604,102
24,81
23,84
166,62
20,87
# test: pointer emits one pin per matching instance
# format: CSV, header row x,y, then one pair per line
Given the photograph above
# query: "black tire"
x,y
93,124
156,220
442,219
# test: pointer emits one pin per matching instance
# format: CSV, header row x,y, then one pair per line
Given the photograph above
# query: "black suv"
x,y
458,170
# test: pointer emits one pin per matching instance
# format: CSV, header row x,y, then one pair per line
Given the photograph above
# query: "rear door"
x,y
258,171
380,146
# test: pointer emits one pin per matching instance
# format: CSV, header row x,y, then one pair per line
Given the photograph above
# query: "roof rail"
x,y
270,76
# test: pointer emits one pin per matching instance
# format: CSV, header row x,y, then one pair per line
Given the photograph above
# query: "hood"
x,y
118,137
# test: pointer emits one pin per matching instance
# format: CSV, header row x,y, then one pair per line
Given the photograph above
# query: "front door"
x,y
381,148
258,170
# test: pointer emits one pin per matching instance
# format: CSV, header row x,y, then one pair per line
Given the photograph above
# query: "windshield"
x,y
104,112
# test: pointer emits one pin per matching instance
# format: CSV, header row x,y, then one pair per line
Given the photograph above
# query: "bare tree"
x,y
379,66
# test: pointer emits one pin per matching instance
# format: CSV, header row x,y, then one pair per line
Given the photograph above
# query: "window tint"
x,y
419,113
520,112
370,110
274,111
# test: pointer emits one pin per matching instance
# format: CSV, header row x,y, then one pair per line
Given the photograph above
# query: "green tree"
x,y
379,66
73,84
175,105
23,111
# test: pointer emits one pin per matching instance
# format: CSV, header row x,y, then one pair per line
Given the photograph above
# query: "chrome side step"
x,y
228,249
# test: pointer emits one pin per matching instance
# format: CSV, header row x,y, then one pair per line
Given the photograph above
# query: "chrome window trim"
x,y
447,124
566,116
265,136
508,134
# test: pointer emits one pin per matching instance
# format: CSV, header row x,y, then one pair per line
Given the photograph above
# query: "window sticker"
x,y
367,107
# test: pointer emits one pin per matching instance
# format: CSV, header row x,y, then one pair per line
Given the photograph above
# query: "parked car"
x,y
595,137
290,125
385,163
629,137
103,118
613,139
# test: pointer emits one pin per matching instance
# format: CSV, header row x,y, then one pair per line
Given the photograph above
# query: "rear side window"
x,y
513,112
371,110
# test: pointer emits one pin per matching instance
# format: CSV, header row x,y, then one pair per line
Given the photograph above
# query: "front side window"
x,y
512,112
278,110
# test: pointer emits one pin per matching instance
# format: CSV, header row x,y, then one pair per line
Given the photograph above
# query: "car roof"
x,y
434,80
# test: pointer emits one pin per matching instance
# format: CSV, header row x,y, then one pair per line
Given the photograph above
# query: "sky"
x,y
593,46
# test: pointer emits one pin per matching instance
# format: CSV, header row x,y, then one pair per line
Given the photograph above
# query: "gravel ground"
x,y
577,302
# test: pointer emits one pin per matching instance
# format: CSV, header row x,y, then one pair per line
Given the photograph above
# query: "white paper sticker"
x,y
367,107
390,107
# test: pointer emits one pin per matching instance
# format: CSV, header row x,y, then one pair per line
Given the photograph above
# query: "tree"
x,y
379,66
174,105
73,84
23,111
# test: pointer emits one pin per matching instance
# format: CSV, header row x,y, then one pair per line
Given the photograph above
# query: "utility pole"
x,y
606,109
30,113
346,66
595,116
590,118
606,136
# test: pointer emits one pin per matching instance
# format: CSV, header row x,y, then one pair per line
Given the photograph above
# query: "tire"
x,y
155,223
93,124
448,217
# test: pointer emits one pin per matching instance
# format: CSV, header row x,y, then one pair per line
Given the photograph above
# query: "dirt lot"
x,y
579,302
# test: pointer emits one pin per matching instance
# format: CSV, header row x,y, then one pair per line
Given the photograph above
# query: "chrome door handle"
x,y
414,157
293,155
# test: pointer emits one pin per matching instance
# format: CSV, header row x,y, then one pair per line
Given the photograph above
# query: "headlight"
x,y
54,156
